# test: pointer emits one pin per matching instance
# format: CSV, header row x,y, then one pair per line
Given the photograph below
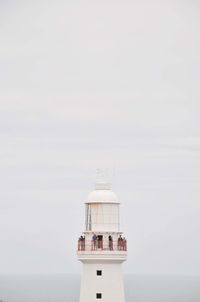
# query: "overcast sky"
x,y
92,84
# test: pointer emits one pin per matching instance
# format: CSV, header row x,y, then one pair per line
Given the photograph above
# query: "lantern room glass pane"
x,y
102,216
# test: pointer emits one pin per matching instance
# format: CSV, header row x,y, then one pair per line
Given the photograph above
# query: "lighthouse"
x,y
102,248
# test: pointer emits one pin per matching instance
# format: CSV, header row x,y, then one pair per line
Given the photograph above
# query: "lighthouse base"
x,y
102,281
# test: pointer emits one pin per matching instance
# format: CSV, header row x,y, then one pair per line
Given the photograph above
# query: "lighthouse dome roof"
x,y
102,194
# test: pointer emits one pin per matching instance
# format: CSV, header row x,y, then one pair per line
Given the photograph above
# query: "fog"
x,y
99,84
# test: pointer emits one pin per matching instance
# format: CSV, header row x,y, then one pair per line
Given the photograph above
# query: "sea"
x,y
65,288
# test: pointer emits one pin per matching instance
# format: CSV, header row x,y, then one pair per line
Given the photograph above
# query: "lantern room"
x,y
102,210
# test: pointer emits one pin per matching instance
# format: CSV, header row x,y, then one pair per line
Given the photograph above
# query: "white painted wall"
x,y
110,284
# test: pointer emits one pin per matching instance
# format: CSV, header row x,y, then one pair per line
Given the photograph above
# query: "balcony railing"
x,y
101,245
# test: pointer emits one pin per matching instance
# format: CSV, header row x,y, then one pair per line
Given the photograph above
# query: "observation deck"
x,y
102,249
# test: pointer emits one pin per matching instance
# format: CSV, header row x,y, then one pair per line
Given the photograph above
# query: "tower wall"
x,y
109,284
102,248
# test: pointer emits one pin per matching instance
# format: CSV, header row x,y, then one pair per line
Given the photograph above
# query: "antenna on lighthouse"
x,y
105,175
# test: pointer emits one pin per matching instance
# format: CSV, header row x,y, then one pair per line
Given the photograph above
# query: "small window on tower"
x,y
99,296
99,273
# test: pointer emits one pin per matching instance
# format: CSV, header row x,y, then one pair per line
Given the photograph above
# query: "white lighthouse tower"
x,y
102,248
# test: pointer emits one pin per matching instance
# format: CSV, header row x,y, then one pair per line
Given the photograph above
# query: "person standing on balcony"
x,y
99,242
119,243
79,245
83,243
110,241
94,239
124,244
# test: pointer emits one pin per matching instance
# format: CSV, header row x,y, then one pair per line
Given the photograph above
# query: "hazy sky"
x,y
89,84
